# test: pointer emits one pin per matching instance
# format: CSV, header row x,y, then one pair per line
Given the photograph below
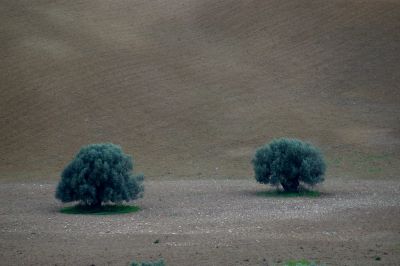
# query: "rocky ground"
x,y
207,222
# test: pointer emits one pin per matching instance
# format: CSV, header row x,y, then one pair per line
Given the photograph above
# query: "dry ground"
x,y
208,222
191,88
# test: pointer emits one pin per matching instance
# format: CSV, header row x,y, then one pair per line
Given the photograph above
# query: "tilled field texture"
x,y
207,222
192,87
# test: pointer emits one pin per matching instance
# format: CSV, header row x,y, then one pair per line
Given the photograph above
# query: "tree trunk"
x,y
96,205
291,185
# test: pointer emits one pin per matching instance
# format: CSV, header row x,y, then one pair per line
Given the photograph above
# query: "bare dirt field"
x,y
208,222
190,88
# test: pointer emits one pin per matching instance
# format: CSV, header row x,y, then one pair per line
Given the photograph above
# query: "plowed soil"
x,y
191,88
208,222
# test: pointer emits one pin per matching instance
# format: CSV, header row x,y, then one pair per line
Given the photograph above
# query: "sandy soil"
x,y
207,222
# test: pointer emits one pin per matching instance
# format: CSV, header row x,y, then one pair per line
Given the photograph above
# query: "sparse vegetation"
x,y
99,173
289,162
301,263
102,210
285,194
149,263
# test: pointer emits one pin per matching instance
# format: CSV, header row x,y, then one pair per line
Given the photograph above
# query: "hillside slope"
x,y
191,88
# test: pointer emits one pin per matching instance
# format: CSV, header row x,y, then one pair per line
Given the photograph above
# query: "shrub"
x,y
99,173
288,162
149,263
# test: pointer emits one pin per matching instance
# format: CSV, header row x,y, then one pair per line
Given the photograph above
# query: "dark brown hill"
x,y
191,88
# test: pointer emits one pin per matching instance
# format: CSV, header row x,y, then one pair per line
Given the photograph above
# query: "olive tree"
x,y
289,162
99,173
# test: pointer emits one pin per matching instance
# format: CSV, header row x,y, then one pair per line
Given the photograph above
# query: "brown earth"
x,y
207,222
191,88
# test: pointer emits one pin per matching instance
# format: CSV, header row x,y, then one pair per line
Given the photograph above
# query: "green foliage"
x,y
149,263
99,173
102,210
288,162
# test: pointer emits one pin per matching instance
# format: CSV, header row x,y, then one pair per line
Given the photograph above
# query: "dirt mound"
x,y
190,88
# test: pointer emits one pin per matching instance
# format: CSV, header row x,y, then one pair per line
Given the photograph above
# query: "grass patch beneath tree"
x,y
301,263
284,194
149,263
103,210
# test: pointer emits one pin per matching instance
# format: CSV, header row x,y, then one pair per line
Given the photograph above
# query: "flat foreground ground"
x,y
207,222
